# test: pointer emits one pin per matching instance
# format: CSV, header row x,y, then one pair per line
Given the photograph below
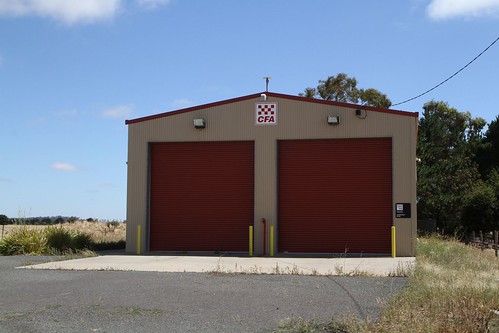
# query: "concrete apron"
x,y
239,265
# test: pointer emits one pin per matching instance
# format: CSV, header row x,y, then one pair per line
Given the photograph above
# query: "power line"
x,y
450,77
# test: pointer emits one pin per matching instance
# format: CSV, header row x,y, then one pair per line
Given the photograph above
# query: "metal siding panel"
x,y
201,196
136,189
335,196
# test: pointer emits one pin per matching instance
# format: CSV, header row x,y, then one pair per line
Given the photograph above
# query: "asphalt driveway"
x,y
123,301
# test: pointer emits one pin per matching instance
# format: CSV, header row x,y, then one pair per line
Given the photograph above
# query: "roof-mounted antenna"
x,y
267,79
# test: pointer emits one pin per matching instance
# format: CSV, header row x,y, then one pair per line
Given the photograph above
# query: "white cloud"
x,y
119,111
445,9
152,4
67,11
182,103
63,166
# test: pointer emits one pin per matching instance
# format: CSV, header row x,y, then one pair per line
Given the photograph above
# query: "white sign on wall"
x,y
266,113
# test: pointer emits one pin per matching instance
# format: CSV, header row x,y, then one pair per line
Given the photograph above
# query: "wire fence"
x,y
484,240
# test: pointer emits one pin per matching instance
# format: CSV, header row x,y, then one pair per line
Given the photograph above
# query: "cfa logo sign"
x,y
266,113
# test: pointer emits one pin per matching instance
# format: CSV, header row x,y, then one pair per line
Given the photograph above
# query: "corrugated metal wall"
x,y
297,119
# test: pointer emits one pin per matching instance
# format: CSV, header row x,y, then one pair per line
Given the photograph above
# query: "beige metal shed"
x,y
308,175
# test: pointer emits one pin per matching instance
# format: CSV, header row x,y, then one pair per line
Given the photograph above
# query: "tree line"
x,y
457,161
4,220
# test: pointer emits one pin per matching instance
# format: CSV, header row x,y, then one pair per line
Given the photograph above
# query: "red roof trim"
x,y
347,105
193,108
271,94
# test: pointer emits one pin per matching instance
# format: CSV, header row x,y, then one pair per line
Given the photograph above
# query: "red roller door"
x,y
335,196
201,196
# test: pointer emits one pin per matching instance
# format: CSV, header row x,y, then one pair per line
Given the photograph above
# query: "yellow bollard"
x,y
272,240
394,243
138,239
251,241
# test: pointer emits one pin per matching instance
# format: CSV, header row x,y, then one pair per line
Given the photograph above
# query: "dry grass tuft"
x,y
99,232
61,238
454,288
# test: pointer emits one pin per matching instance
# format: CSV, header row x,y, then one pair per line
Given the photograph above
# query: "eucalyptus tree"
x,y
342,88
447,168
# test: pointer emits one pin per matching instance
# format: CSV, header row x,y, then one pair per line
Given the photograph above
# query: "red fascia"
x,y
271,94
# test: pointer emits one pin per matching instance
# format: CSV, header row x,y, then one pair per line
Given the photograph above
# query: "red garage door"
x,y
335,196
201,196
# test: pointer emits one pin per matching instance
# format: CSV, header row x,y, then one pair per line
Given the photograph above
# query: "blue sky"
x,y
72,71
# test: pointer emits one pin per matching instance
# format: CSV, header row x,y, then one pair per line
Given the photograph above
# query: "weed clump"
x,y
67,238
53,240
23,241
304,326
64,240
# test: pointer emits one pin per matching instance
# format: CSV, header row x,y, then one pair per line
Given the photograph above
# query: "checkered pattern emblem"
x,y
266,113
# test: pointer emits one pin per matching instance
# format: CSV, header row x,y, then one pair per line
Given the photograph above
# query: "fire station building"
x,y
270,173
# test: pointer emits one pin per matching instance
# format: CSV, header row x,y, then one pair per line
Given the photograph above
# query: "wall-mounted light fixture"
x,y
199,123
361,114
333,120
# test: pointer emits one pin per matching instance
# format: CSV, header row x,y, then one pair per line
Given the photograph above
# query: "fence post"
x,y
481,240
496,242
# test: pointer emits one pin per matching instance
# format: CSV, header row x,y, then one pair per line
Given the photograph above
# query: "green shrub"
x,y
58,238
23,241
4,219
81,241
64,240
53,240
102,246
479,207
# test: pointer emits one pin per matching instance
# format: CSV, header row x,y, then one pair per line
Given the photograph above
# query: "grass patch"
x,y
49,241
52,241
24,241
402,270
340,271
61,240
69,239
453,288
304,326
99,232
